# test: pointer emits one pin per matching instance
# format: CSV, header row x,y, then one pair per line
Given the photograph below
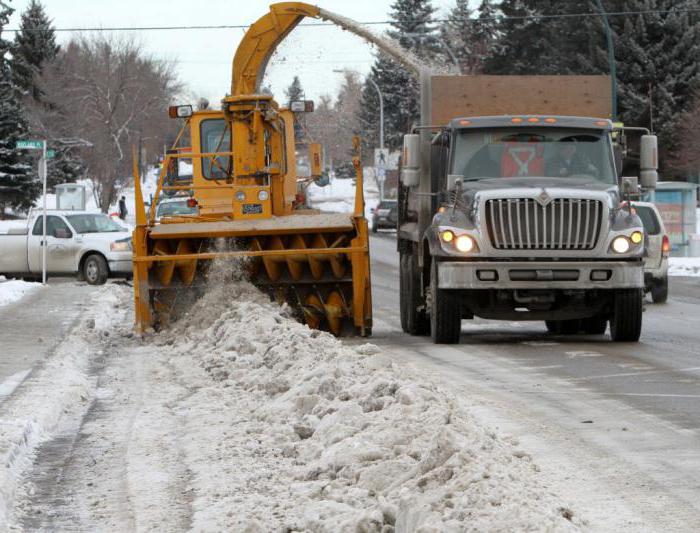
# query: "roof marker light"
x,y
516,120
533,119
465,122
550,120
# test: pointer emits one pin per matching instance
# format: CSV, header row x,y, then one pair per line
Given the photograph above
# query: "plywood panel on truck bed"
x,y
465,96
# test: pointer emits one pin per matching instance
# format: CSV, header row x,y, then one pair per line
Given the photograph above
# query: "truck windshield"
x,y
88,223
533,152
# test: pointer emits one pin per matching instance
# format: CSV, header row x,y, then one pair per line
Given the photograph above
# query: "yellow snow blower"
x,y
242,195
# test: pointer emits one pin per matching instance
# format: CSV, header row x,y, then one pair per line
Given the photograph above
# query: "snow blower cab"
x,y
244,184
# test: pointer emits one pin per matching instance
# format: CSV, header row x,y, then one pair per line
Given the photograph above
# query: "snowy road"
x,y
622,421
241,419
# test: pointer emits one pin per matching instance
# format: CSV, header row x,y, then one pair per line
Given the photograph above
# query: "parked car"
x,y
385,215
175,206
91,245
656,249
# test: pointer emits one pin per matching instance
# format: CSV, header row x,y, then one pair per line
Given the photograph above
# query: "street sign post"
x,y
381,162
29,144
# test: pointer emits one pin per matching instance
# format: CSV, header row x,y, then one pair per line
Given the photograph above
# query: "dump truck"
x,y
513,206
244,186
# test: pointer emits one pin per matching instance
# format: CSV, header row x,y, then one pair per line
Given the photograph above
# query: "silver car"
x,y
657,247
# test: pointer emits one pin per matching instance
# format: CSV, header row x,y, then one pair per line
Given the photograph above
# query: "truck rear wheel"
x,y
659,291
413,320
445,312
626,320
95,270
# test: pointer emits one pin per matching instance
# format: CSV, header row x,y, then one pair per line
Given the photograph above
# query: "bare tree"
x,y
685,158
108,92
335,124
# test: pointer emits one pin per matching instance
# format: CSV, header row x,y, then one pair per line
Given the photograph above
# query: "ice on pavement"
x,y
15,289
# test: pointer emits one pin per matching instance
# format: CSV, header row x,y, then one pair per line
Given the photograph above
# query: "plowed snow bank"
x,y
289,429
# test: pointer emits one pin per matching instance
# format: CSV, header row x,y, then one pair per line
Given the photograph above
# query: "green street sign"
x,y
30,145
50,154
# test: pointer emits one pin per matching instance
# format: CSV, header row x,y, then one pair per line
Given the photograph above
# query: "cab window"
x,y
52,224
215,137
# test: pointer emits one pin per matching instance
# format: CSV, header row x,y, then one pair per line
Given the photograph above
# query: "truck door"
x,y
60,252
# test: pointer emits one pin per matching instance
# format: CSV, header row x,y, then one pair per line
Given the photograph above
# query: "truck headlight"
x,y
120,246
637,237
621,245
464,243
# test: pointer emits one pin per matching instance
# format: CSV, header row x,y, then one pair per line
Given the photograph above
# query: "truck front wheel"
x,y
95,270
626,320
414,320
445,312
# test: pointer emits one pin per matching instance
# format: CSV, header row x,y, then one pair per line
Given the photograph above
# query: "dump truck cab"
x,y
521,217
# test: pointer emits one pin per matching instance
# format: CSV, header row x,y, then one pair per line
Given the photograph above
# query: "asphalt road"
x,y
616,424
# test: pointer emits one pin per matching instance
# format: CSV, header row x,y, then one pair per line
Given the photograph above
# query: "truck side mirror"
x,y
410,171
648,161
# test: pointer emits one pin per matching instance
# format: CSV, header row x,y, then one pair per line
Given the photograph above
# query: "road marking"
x,y
629,374
540,343
583,353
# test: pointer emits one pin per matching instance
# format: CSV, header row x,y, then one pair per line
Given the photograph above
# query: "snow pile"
x,y
288,429
14,289
339,197
684,266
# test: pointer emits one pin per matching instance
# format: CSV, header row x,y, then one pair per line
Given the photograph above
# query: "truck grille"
x,y
525,224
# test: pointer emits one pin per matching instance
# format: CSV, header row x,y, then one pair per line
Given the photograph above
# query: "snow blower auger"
x,y
242,204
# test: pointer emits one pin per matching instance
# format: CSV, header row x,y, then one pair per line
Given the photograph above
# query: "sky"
x,y
204,57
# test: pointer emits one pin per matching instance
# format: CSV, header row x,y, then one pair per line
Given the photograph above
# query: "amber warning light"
x,y
180,111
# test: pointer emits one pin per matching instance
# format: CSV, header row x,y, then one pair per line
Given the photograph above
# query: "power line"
x,y
371,22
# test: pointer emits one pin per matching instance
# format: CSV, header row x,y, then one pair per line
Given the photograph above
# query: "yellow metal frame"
x,y
262,156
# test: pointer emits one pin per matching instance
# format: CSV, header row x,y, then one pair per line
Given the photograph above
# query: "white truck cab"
x,y
91,245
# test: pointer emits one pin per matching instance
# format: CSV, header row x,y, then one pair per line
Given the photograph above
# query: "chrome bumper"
x,y
539,275
120,266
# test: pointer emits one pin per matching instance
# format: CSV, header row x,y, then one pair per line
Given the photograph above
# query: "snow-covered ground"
x,y
239,418
684,266
339,196
14,289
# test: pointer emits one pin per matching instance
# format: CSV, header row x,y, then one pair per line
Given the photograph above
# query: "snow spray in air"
x,y
387,45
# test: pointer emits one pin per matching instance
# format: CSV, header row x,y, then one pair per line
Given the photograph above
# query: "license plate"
x,y
252,209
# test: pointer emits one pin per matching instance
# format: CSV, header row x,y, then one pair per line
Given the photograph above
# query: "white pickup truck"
x,y
91,245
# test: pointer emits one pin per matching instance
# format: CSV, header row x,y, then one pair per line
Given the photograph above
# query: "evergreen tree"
x,y
529,43
294,92
35,49
484,34
18,185
412,28
458,33
35,44
657,68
